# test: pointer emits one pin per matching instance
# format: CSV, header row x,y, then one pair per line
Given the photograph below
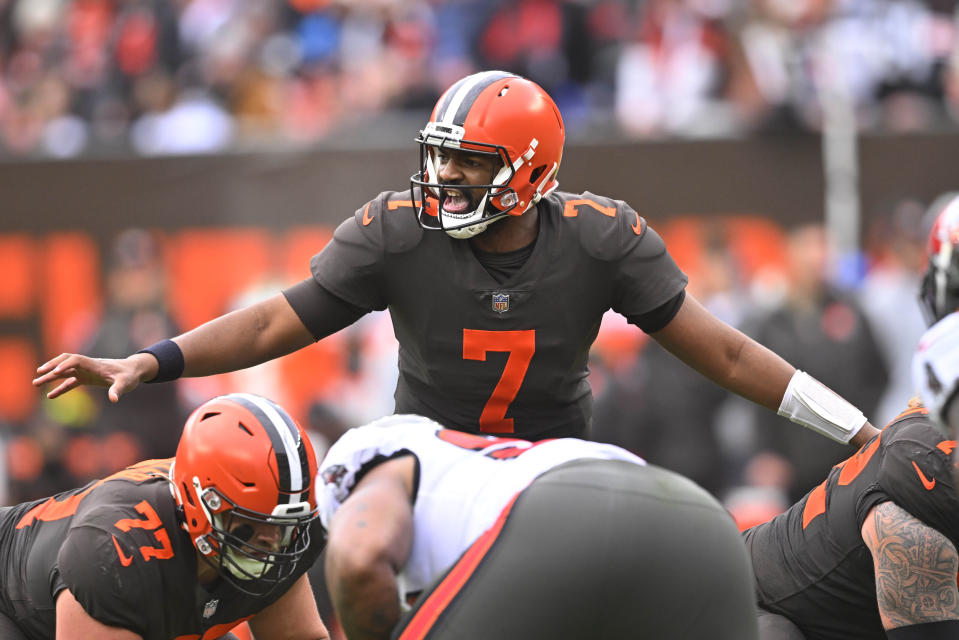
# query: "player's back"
x,y
811,563
464,480
32,535
118,544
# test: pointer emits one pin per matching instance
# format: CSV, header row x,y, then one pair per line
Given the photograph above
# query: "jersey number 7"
x,y
520,345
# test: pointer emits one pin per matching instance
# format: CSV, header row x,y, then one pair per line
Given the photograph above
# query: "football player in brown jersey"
x,y
496,283
870,553
184,548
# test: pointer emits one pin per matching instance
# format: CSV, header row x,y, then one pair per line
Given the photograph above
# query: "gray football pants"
x,y
598,549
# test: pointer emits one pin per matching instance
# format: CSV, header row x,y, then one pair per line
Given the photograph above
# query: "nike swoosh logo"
x,y
124,560
367,218
926,482
638,227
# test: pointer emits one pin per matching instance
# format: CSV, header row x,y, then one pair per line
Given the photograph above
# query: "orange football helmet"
x,y
243,465
499,114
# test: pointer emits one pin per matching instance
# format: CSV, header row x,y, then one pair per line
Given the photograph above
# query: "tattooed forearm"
x,y
915,568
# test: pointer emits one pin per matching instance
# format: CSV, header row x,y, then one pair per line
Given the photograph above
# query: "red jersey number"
x,y
520,345
511,447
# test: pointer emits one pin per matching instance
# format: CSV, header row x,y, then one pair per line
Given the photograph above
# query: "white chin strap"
x,y
464,233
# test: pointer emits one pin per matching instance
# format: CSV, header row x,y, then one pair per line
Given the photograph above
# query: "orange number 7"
x,y
520,345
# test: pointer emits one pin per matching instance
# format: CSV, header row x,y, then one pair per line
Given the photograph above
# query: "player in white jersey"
x,y
435,533
935,365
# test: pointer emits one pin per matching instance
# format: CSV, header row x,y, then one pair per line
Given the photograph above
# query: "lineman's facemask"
x,y
248,553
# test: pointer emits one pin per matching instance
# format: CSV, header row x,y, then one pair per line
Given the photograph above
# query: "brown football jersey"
x,y
118,545
811,563
490,357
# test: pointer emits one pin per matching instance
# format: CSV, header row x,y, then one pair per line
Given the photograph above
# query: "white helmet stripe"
x,y
463,93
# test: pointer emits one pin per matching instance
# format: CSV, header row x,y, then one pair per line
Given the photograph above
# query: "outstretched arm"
x,y
915,573
732,359
369,542
237,340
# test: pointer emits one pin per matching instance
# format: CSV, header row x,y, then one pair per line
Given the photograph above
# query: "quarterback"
x,y
496,282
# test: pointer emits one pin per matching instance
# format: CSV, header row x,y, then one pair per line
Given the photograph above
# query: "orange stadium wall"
x,y
275,210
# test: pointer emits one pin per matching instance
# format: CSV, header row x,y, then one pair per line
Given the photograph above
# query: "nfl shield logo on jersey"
x,y
210,608
500,302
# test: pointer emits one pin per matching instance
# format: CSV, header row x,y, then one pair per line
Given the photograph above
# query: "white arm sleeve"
x,y
815,406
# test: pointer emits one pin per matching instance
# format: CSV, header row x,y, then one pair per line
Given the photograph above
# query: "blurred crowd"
x,y
89,77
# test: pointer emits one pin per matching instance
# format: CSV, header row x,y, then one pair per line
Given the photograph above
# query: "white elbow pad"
x,y
815,406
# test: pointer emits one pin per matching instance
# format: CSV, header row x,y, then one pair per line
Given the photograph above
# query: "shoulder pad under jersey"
x,y
607,228
113,559
389,221
916,471
353,452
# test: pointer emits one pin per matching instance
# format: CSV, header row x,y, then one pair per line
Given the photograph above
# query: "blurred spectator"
x,y
195,123
672,77
136,316
880,57
889,296
42,457
657,406
825,332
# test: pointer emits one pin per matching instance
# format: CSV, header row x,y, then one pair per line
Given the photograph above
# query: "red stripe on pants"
x,y
427,614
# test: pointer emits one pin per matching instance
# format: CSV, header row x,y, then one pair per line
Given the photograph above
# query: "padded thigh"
x,y
607,550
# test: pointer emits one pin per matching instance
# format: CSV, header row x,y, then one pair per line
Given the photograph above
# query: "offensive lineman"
x,y
184,548
870,553
502,538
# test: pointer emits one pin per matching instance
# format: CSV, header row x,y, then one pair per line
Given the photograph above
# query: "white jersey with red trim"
x,y
935,367
465,481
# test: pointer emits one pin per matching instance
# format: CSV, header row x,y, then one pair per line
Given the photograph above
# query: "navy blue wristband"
x,y
170,360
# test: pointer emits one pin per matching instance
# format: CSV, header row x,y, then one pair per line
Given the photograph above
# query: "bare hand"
x,y
72,370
